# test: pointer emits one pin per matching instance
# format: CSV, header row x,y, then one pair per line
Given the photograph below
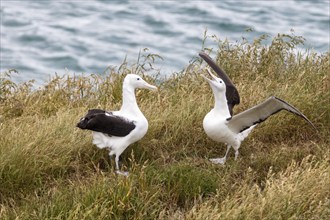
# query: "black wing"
x,y
260,113
105,122
231,91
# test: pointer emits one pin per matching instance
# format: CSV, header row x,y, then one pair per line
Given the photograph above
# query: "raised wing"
x,y
232,94
105,122
260,113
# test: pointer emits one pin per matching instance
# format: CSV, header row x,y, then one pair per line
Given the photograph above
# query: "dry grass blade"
x,y
50,170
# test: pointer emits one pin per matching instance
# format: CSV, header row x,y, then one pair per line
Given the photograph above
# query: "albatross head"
x,y
136,81
216,83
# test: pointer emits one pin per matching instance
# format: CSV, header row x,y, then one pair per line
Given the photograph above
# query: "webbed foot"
x,y
122,173
218,160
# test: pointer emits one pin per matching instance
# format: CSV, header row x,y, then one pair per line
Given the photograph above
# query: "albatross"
x,y
222,126
116,130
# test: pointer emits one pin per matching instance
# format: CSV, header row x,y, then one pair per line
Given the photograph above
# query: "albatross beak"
x,y
207,79
209,72
212,76
151,87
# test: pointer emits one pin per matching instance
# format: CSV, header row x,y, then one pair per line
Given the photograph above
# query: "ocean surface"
x,y
42,37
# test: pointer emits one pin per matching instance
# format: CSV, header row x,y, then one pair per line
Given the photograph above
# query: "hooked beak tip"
x,y
153,88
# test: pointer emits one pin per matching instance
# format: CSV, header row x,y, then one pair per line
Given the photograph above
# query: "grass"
x,y
49,169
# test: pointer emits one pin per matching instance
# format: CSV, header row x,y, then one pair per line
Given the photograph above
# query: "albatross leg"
x,y
223,159
236,154
117,167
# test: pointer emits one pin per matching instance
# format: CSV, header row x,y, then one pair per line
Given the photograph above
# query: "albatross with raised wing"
x,y
222,126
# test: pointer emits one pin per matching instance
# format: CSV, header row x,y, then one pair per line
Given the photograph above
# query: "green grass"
x,y
49,169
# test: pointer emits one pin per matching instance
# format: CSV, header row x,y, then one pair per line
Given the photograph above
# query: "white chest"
x,y
140,130
215,127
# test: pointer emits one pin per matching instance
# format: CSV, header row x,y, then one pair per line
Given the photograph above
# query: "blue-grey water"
x,y
41,37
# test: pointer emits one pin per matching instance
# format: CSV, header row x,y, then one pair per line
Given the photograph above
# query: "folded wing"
x,y
232,94
260,113
105,122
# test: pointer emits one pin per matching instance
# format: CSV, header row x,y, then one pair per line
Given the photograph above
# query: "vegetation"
x,y
49,169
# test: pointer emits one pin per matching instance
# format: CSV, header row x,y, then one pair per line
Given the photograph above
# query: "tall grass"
x,y
49,169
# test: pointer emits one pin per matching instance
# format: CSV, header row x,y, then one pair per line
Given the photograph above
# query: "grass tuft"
x,y
49,169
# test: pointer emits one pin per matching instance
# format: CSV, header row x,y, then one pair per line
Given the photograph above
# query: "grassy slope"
x,y
50,170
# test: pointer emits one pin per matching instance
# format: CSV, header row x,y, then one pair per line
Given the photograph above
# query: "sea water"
x,y
43,37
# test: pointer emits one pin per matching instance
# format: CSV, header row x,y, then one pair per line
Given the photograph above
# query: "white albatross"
x,y
116,130
220,124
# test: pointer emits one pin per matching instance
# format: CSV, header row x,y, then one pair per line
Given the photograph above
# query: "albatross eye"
x,y
137,78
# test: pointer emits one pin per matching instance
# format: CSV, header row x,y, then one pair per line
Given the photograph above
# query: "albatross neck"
x,y
221,105
129,101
